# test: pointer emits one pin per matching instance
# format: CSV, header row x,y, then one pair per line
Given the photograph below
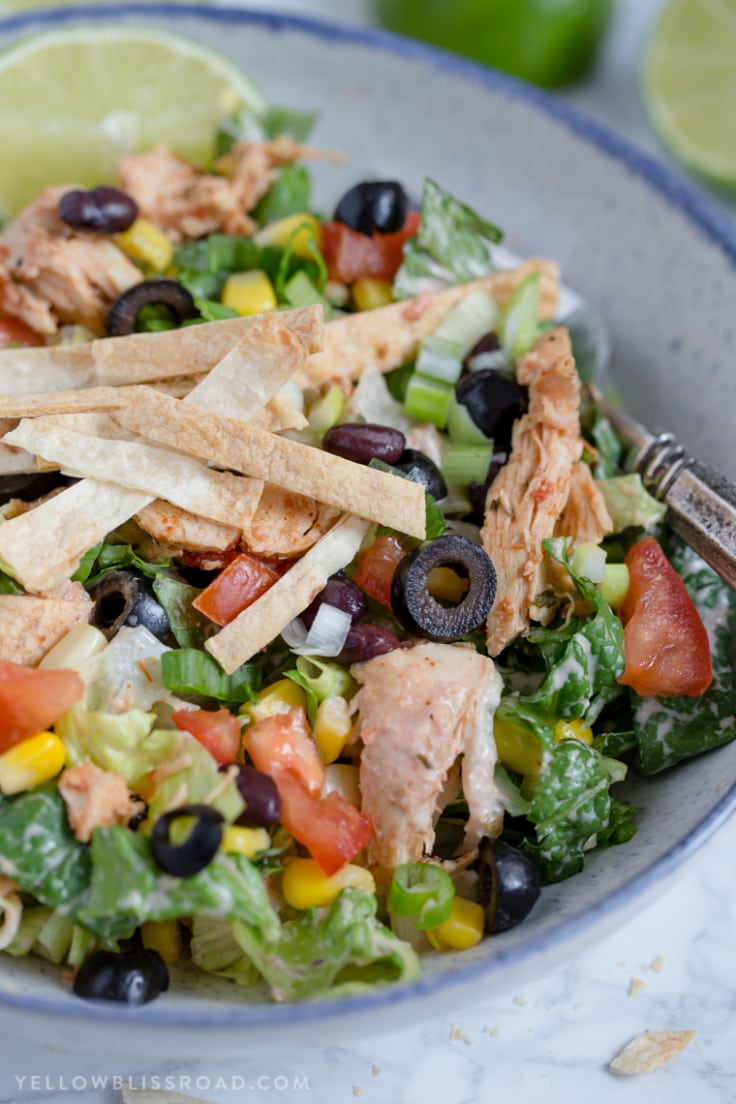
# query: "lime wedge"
x,y
689,85
72,101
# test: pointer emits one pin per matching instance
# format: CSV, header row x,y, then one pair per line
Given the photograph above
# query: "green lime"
x,y
548,42
71,101
689,84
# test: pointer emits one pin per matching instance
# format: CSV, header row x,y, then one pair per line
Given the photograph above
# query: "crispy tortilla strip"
x,y
353,488
140,358
13,461
253,371
649,1051
40,549
389,336
30,626
528,495
170,525
222,497
277,415
257,626
44,546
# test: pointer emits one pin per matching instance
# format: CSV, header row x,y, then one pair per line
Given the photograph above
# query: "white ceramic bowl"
x,y
660,265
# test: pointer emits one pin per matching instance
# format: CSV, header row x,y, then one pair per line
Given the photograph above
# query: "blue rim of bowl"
x,y
721,232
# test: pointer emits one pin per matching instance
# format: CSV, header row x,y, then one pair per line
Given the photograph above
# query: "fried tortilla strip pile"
x,y
352,488
530,492
30,626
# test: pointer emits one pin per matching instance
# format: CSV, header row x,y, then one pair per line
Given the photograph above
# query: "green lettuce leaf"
x,y
629,504
608,444
668,730
453,245
335,951
127,889
195,673
215,949
114,557
38,850
290,194
126,743
190,627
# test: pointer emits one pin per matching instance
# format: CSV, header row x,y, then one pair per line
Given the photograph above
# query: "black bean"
x,y
418,467
103,210
489,343
419,611
342,593
363,442
134,977
198,849
366,641
258,791
494,402
375,206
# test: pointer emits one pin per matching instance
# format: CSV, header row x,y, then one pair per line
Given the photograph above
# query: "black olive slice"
x,y
418,467
123,314
494,401
419,611
198,849
123,598
508,884
133,977
374,206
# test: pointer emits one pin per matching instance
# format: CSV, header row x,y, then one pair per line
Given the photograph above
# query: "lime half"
x,y
72,101
689,85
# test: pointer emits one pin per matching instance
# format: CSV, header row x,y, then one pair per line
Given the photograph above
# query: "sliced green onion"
x,y
440,359
461,427
81,945
325,412
428,400
520,329
465,464
193,672
589,560
326,680
231,254
55,937
615,584
423,891
473,317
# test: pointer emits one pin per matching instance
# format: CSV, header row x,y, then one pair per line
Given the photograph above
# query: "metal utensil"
x,y
701,502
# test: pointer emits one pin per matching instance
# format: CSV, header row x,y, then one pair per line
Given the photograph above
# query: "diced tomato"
x,y
665,643
235,588
350,255
15,332
376,567
31,700
331,829
216,730
284,742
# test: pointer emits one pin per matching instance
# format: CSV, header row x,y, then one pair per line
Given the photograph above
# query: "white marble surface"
x,y
553,1041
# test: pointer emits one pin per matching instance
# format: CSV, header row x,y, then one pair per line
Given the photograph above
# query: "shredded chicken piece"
x,y
178,528
71,277
530,492
287,524
20,302
187,203
585,517
95,798
418,710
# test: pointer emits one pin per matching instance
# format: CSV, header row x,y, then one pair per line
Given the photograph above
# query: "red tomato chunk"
x,y
235,588
216,730
31,700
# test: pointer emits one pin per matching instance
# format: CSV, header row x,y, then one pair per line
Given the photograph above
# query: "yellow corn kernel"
x,y
517,747
280,232
305,883
245,841
332,727
446,585
369,293
279,697
163,936
145,242
573,730
463,928
249,292
31,762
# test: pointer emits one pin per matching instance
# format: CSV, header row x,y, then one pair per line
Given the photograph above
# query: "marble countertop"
x,y
673,966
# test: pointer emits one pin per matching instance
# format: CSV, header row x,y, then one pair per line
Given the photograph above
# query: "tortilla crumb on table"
x,y
649,1051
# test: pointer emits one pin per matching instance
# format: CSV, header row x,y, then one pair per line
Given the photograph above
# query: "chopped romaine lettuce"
x,y
668,730
126,743
288,195
629,504
335,951
114,557
194,673
197,781
453,245
190,627
38,850
128,672
214,948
